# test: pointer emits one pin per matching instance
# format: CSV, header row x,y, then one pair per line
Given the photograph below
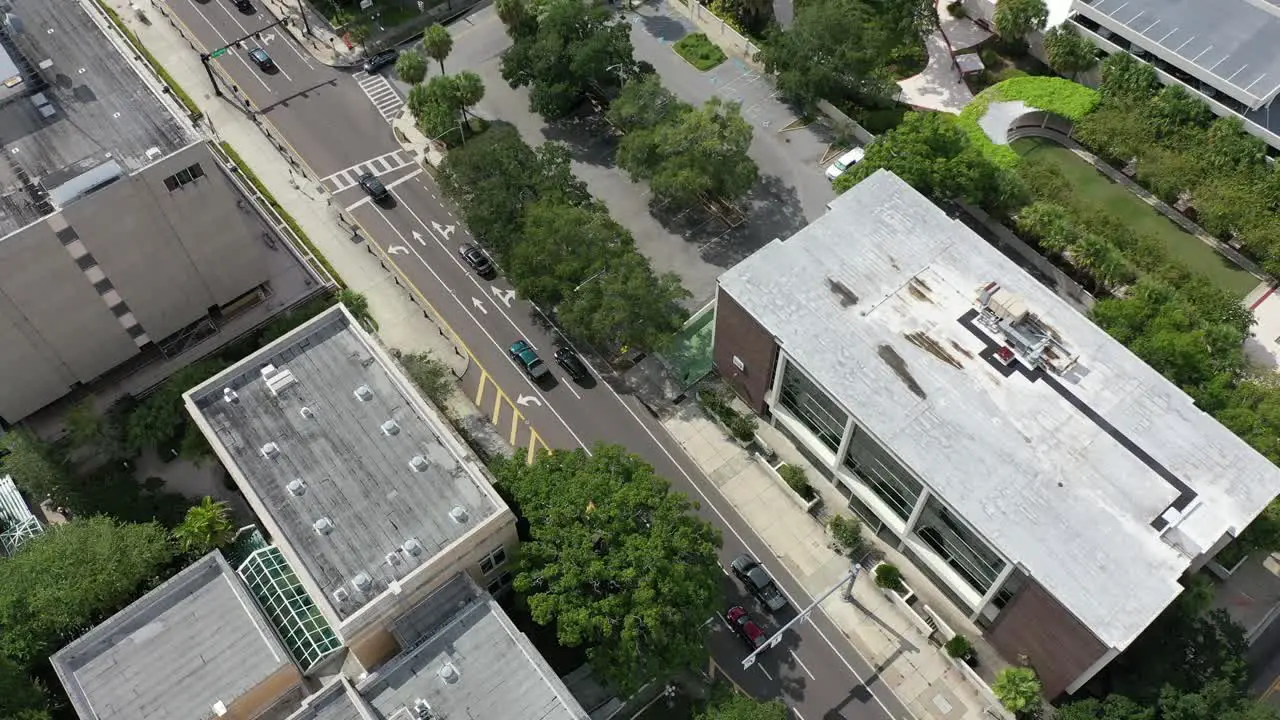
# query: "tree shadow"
x,y
664,27
773,210
588,135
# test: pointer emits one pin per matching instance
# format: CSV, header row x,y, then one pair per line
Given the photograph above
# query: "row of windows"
x,y
183,177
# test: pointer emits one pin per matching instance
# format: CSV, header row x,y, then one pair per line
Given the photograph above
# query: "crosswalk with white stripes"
x,y
379,166
379,91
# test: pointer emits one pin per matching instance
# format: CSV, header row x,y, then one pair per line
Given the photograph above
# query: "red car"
x,y
742,623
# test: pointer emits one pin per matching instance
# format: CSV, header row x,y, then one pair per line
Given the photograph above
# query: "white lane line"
x,y
568,382
223,38
766,672
536,390
288,40
798,715
802,665
362,201
247,31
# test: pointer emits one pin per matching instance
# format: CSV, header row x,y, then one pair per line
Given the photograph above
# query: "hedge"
x,y
192,109
284,215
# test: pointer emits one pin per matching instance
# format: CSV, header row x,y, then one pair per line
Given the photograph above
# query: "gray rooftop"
x,y
1087,477
375,510
1230,44
194,641
474,665
102,110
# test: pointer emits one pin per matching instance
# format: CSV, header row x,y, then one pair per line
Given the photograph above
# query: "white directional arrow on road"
x,y
506,296
267,38
527,400
444,230
398,250
480,305
418,236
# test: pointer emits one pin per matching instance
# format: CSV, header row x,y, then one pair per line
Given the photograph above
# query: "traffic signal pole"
x,y
205,58
750,660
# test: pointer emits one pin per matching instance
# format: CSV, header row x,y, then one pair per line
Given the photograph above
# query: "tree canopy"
x,y
73,576
1068,53
737,706
616,560
573,50
18,692
411,67
207,527
1015,19
437,43
627,306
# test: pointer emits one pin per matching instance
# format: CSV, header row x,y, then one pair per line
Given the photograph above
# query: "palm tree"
x,y
358,305
515,15
206,527
437,43
468,88
411,68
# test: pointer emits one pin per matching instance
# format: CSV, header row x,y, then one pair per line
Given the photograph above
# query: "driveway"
x,y
694,244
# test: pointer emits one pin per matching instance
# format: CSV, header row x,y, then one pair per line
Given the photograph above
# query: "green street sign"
x,y
218,53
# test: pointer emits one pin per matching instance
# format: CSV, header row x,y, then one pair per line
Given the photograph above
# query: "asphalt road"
x,y
337,122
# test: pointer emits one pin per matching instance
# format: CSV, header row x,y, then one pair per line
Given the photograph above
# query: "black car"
x,y
476,258
374,186
568,360
243,6
261,59
756,578
377,62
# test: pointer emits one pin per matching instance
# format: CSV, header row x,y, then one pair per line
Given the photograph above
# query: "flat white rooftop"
x,y
1099,477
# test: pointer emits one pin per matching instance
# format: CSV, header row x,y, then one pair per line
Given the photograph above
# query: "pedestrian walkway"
x,y
402,324
925,680
380,92
379,166
941,86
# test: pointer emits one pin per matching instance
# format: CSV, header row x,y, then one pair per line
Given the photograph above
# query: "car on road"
x,y
758,582
243,6
375,63
523,353
261,59
844,162
568,360
741,622
372,185
477,259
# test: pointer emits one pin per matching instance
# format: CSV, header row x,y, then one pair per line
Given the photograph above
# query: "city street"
x,y
338,123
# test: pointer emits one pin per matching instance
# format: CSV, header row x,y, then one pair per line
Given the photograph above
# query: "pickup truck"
x,y
524,354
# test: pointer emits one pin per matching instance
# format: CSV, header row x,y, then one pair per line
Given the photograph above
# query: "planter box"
x,y
1223,572
805,505
903,601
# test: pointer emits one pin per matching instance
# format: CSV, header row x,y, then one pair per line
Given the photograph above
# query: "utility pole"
x,y
208,67
303,12
750,660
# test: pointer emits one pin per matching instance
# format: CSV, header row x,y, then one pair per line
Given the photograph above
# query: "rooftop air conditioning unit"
x,y
219,708
459,514
270,450
449,673
418,463
230,395
280,381
297,487
307,412
393,558
422,710
363,393
390,427
324,526
412,547
340,595
362,582
267,371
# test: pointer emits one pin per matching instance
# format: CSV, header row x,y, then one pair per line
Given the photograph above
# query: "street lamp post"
x,y
593,277
303,12
750,660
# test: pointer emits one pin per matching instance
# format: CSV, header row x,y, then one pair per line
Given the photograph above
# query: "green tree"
x,y
1183,650
626,305
700,153
18,692
358,305
74,576
737,706
93,436
1173,110
1228,148
1115,131
1102,260
934,155
518,18
411,67
1127,78
1015,19
468,90
617,561
1051,225
1018,690
1218,700
833,51
207,527
159,421
436,108
34,468
644,104
561,246
1113,707
577,50
1068,53
437,43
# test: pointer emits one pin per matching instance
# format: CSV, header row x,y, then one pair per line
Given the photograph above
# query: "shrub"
x,y
741,427
955,9
959,647
432,377
889,577
795,478
847,532
1018,690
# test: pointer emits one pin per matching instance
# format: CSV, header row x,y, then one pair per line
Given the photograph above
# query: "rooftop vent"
x,y
270,450
324,526
459,514
412,547
394,587
362,582
219,708
421,710
307,412
393,558
364,394
280,381
340,595
390,427
418,463
230,395
449,673
297,487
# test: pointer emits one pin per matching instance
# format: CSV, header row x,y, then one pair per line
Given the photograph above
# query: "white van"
x,y
844,162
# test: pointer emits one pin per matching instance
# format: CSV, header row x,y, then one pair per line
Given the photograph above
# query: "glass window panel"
x,y
958,546
883,475
812,407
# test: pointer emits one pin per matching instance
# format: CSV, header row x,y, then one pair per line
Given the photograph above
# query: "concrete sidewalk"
x,y
927,682
402,323
316,34
941,86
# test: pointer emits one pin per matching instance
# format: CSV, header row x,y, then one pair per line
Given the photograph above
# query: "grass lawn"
x,y
1097,190
699,51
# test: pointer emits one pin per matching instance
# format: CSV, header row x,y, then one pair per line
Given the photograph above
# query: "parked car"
x,y
261,59
523,353
377,62
374,186
747,629
572,365
758,582
476,258
844,162
243,6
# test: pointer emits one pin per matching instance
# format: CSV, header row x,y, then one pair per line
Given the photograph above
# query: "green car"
x,y
523,353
